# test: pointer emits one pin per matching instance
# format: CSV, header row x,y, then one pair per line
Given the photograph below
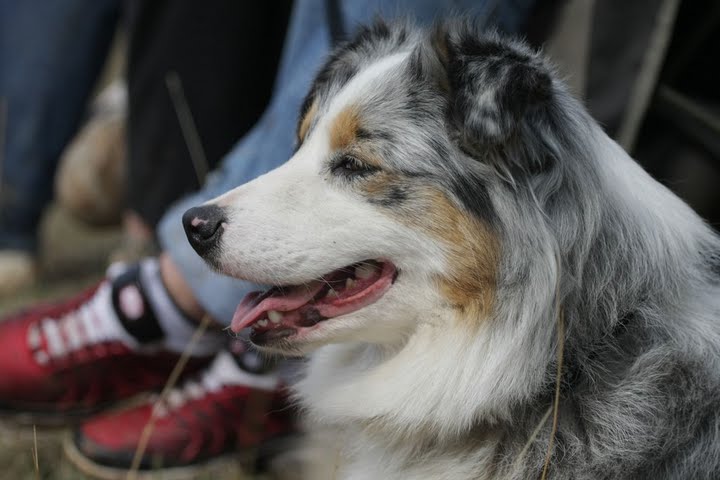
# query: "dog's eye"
x,y
348,165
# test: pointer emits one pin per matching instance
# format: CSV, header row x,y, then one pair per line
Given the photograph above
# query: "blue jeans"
x,y
51,52
270,142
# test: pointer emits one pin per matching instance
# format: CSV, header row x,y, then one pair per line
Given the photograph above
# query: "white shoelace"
x,y
93,323
223,371
190,390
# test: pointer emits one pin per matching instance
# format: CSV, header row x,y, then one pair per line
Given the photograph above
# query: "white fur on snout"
x,y
294,224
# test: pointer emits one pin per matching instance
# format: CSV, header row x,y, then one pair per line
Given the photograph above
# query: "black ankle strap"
x,y
132,307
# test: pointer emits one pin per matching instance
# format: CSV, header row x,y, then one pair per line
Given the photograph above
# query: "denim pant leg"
x,y
51,52
270,142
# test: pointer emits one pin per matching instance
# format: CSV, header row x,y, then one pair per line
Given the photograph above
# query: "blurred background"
x,y
647,70
136,92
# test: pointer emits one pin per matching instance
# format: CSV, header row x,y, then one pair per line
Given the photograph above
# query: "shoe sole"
x,y
15,416
226,464
231,465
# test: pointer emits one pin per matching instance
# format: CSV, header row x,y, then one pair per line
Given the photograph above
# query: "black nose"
x,y
203,226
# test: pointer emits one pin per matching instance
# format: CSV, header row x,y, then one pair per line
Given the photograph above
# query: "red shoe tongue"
x,y
283,301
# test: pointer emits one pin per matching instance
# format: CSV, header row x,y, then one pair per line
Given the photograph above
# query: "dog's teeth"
x,y
262,323
363,272
275,316
332,293
349,283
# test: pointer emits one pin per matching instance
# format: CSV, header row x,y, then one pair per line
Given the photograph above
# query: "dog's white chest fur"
x,y
356,434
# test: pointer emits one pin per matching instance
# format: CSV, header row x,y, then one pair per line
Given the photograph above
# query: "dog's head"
x,y
389,215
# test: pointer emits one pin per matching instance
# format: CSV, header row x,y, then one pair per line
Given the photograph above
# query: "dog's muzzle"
x,y
204,227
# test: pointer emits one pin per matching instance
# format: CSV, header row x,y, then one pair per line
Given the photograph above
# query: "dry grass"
x,y
17,458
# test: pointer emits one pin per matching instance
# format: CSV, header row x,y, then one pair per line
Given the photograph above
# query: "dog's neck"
x,y
418,410
439,385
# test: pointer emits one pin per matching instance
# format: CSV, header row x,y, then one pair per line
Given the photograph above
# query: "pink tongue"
x,y
249,310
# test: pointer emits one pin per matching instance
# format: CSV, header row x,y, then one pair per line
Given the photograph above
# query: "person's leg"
x,y
179,289
225,80
50,55
178,58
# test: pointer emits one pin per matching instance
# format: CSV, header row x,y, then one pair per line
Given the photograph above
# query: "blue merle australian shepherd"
x,y
486,285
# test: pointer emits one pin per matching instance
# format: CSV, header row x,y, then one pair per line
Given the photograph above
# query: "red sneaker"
x,y
62,362
225,414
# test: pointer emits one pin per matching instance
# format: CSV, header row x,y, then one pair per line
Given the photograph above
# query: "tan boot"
x,y
90,183
17,271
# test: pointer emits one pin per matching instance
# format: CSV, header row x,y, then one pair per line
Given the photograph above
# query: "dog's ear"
x,y
491,83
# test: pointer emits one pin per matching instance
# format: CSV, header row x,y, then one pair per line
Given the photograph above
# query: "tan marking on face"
x,y
344,127
473,251
307,121
473,257
379,185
